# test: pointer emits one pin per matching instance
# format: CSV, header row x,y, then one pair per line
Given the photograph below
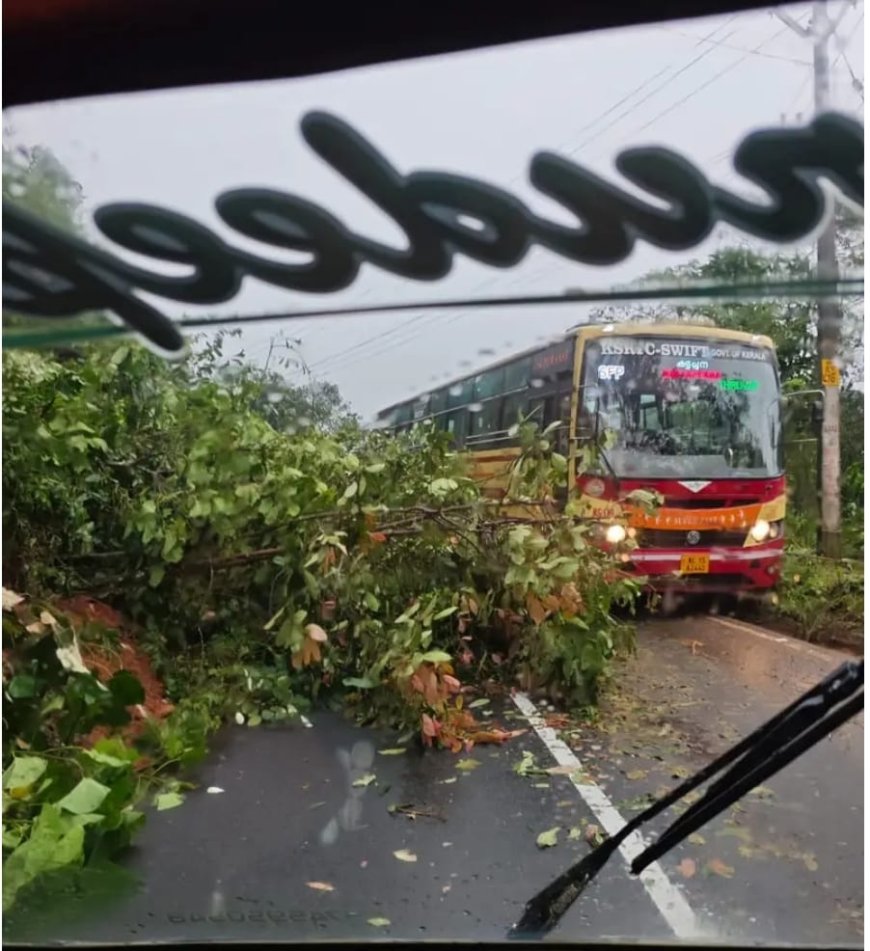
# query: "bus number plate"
x,y
695,564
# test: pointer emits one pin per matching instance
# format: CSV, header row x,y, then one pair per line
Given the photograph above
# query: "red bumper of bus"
x,y
735,569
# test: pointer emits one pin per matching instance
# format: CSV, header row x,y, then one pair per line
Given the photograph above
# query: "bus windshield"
x,y
682,408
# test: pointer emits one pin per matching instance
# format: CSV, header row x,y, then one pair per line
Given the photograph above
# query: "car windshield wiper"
x,y
783,738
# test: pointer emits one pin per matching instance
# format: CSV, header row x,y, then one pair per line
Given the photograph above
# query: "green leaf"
x,y
394,751
466,765
87,796
168,800
126,688
22,686
119,356
379,922
23,772
366,780
548,839
482,702
435,657
361,683
115,748
445,613
155,575
274,619
53,844
105,759
350,491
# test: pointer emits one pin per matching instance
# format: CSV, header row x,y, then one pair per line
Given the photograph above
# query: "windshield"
x,y
685,407
415,473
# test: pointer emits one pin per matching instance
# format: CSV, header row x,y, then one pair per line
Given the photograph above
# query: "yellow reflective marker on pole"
x,y
830,373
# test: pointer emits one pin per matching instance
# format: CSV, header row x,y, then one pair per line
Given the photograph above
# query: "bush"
x,y
823,598
338,558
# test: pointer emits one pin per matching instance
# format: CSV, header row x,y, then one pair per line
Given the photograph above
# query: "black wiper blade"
x,y
766,750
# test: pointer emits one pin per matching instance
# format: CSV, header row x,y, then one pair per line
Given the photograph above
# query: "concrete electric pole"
x,y
820,30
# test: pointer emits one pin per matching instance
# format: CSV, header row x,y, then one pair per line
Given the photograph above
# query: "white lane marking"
x,y
789,642
667,898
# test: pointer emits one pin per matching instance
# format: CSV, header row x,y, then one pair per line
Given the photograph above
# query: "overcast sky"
x,y
696,86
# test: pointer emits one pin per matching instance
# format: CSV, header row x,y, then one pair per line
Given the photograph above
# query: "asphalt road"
x,y
301,842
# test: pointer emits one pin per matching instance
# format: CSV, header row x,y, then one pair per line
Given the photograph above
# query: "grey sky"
x,y
480,113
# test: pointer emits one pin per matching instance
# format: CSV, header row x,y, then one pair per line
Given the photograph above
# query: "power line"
x,y
339,359
646,98
743,49
357,346
403,338
709,82
610,109
588,125
857,84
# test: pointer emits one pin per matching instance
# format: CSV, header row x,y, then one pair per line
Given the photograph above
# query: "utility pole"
x,y
830,316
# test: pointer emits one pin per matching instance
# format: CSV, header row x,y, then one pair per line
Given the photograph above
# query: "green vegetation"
x,y
822,600
266,554
266,569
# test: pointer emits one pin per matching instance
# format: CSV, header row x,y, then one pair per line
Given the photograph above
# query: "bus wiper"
x,y
783,738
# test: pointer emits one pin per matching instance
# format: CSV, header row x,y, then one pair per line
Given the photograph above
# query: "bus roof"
x,y
675,329
591,331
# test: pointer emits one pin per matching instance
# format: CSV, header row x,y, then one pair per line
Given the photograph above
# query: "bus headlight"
x,y
760,530
615,534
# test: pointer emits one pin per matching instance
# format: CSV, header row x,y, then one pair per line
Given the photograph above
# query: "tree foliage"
x,y
271,568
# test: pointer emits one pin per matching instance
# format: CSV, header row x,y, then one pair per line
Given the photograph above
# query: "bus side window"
x,y
485,420
537,411
455,424
561,434
512,406
437,405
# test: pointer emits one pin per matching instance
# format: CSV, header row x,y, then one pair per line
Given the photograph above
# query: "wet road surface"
x,y
301,843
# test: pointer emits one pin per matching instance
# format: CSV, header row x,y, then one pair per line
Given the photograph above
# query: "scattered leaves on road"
x,y
393,751
366,780
403,855
528,766
737,832
594,835
697,839
687,868
563,771
468,764
634,774
718,867
574,833
379,922
546,840
168,800
214,790
321,886
765,792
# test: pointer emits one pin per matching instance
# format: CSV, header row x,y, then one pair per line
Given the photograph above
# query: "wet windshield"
x,y
413,474
694,408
